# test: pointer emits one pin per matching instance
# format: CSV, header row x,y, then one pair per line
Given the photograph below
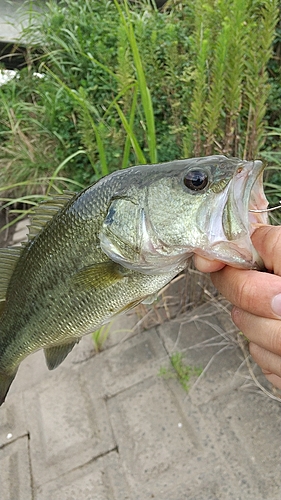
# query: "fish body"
x,y
100,252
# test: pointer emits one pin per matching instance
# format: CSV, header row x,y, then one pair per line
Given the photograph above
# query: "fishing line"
x,y
266,209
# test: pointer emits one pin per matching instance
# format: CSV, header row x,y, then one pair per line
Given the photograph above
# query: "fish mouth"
x,y
253,197
245,196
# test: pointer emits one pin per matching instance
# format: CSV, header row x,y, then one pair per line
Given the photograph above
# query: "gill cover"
x,y
138,247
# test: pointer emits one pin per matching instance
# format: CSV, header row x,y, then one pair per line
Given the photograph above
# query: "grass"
x,y
222,337
100,336
21,206
140,87
146,99
181,371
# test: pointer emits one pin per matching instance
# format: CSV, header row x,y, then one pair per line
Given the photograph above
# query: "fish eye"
x,y
196,180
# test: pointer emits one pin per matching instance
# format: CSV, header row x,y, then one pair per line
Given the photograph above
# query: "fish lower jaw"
x,y
236,253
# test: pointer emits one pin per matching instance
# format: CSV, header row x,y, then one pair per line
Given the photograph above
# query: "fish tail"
x,y
5,382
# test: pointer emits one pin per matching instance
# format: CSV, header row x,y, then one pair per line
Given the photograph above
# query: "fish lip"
x,y
246,194
250,196
257,201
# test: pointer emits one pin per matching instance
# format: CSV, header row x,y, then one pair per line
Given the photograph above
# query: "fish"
x,y
98,253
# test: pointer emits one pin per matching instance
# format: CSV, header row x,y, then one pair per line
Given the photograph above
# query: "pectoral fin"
x,y
98,276
150,299
55,355
129,306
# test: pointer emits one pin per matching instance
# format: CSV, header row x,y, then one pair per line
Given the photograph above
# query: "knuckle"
x,y
246,294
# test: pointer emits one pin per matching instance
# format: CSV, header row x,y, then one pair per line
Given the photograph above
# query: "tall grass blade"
x,y
54,177
138,151
144,90
128,140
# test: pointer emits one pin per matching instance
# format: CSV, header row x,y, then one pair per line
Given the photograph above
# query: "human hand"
x,y
257,300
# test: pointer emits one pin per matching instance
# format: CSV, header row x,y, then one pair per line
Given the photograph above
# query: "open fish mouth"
x,y
248,191
239,209
258,204
245,210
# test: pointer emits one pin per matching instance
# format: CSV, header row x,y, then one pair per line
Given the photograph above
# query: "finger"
x,y
270,363
252,291
264,332
207,266
273,379
267,241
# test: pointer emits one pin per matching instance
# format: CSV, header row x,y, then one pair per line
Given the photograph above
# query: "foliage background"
x,y
124,84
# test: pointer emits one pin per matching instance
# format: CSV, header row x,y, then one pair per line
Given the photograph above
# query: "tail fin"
x,y
5,382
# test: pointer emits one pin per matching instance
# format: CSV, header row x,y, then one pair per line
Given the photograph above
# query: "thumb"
x,y
267,241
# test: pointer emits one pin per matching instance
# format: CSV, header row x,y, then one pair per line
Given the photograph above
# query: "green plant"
x,y
181,371
128,84
232,45
38,190
99,336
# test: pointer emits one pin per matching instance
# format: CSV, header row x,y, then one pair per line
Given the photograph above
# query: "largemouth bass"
x,y
95,254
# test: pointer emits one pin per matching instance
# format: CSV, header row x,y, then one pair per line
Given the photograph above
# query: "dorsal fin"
x,y
45,211
8,260
39,218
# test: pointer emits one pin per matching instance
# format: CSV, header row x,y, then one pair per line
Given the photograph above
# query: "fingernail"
x,y
276,304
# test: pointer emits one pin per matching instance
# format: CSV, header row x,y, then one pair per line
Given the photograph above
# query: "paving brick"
x,y
15,477
165,450
68,425
32,371
208,340
207,326
119,330
125,364
247,426
12,420
102,479
122,328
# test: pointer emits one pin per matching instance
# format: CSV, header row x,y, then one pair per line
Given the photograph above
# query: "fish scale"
x,y
98,253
